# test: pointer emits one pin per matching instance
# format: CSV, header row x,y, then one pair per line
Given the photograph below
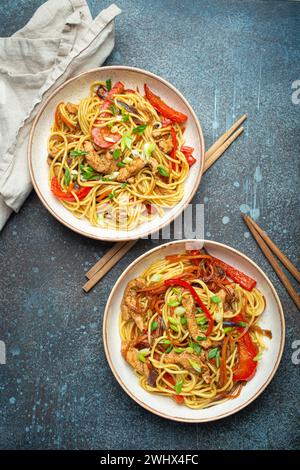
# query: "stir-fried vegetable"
x,y
68,196
163,108
189,287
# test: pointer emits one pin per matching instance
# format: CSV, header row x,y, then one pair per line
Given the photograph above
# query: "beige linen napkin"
x,y
60,41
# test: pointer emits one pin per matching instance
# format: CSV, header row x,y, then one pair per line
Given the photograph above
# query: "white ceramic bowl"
x,y
76,89
272,319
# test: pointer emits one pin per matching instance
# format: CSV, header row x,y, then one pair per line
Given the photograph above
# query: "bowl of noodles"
x,y
116,153
193,331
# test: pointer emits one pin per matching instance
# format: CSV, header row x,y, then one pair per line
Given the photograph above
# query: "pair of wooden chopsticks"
x,y
117,252
267,246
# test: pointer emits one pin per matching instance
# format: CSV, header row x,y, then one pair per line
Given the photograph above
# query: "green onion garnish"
x,y
163,171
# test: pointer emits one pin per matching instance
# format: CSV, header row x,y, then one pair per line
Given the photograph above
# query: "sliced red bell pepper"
x,y
187,152
189,287
247,351
149,209
68,196
117,89
163,108
237,276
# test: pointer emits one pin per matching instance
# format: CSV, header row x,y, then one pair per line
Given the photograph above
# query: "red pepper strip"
x,y
69,197
237,276
149,209
187,285
117,89
247,351
170,378
162,107
187,152
195,261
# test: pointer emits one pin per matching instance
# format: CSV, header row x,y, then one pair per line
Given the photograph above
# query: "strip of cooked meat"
x,y
130,170
186,360
129,306
166,144
103,163
130,354
195,332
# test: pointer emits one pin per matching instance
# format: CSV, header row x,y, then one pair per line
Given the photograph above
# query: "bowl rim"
x,y
102,237
141,402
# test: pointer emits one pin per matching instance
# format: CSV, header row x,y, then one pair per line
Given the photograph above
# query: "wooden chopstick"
x,y
225,136
113,260
287,263
210,160
110,258
105,258
272,260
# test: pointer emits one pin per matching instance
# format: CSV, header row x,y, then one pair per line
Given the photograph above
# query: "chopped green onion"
x,y
163,171
126,141
164,341
195,365
183,321
173,302
139,129
124,185
77,153
212,353
258,357
156,278
116,154
113,109
178,350
201,321
112,195
148,149
215,299
67,177
169,349
201,338
242,323
141,356
174,328
228,329
179,310
176,291
127,160
173,321
154,325
125,117
108,84
121,164
199,309
178,387
196,347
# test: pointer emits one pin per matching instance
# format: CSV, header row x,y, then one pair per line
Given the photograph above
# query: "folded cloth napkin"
x,y
60,40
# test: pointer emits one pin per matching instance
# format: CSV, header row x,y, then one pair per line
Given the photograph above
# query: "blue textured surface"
x,y
56,389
